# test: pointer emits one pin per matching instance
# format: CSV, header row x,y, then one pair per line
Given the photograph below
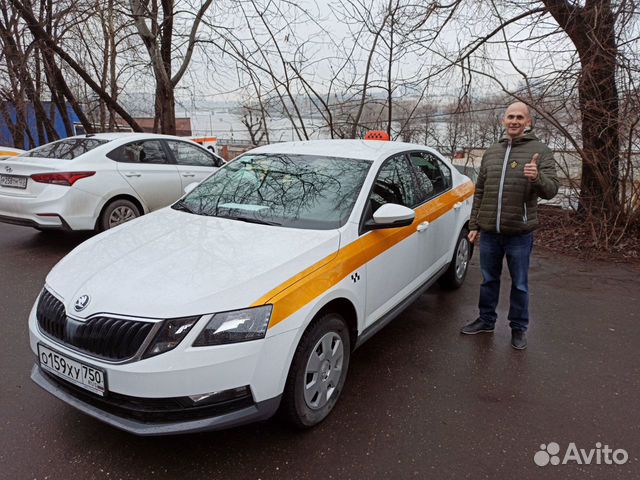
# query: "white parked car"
x,y
99,181
251,292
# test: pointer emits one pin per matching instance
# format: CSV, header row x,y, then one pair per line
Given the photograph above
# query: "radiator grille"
x,y
113,339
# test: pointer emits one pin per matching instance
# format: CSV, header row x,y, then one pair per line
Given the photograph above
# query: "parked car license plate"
x,y
89,378
14,181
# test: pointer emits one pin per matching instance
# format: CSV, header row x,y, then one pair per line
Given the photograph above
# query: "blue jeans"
x,y
517,248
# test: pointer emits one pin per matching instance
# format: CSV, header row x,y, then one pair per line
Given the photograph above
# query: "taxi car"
x,y
251,292
98,181
9,151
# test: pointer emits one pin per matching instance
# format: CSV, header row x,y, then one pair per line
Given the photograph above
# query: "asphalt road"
x,y
421,400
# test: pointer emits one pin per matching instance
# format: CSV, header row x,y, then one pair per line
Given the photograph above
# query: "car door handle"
x,y
457,206
132,174
422,226
188,174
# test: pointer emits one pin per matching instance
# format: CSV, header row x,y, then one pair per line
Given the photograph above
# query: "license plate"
x,y
13,181
89,378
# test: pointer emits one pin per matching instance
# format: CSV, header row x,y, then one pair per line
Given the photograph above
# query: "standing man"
x,y
513,174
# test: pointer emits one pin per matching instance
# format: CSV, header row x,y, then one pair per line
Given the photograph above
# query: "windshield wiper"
x,y
183,207
251,220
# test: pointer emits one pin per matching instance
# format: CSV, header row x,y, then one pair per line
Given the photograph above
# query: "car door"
x,y
193,162
392,273
435,212
147,166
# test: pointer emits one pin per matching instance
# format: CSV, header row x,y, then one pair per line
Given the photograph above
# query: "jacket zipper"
x,y
504,171
525,218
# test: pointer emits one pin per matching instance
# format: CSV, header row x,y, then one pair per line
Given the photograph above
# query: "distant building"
x,y
8,120
31,138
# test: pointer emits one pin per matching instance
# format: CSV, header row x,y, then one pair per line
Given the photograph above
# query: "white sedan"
x,y
250,293
95,182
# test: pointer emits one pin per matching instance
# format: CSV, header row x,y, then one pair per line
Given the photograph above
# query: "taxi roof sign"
x,y
377,135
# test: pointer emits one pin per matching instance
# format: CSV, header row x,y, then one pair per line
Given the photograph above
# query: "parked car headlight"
x,y
170,335
235,326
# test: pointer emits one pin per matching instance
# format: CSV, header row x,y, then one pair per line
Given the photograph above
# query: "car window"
x,y
186,154
298,191
219,160
469,171
432,175
393,184
66,149
148,151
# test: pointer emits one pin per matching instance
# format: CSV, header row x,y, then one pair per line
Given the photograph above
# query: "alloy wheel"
x,y
462,258
323,370
120,215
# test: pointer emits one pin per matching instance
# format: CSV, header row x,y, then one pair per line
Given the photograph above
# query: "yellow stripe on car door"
x,y
290,296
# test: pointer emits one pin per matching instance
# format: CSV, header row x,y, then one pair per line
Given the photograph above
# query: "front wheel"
x,y
456,273
318,372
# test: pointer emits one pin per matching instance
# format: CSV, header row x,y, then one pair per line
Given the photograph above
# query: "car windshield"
x,y
66,149
299,191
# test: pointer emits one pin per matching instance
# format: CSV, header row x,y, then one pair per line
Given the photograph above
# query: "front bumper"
x,y
131,415
139,392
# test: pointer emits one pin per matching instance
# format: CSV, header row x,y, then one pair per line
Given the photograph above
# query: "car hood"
x,y
173,264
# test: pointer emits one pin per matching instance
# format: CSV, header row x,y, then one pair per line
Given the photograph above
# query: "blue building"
x,y
52,111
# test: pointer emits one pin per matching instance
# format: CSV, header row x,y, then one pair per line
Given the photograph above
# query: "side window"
x,y
186,154
394,184
149,151
446,174
218,159
432,175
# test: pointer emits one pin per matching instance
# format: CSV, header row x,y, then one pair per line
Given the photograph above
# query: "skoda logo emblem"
x,y
82,303
8,168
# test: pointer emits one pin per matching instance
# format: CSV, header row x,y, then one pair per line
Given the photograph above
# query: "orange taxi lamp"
x,y
377,135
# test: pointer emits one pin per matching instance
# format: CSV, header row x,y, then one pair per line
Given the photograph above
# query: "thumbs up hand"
x,y
531,169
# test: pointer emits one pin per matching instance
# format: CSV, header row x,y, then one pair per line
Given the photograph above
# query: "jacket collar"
x,y
527,137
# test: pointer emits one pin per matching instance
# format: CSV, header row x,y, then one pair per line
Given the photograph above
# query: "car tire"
x,y
318,372
454,276
117,213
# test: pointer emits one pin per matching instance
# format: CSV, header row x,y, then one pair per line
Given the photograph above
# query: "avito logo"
x,y
549,454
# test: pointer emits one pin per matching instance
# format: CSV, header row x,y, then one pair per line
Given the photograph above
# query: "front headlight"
x,y
170,335
235,326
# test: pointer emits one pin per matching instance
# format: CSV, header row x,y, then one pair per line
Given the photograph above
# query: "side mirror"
x,y
190,187
391,215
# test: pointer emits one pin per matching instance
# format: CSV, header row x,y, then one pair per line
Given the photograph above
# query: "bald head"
x,y
516,119
518,106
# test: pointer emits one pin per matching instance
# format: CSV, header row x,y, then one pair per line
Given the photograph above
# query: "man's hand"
x,y
531,169
473,236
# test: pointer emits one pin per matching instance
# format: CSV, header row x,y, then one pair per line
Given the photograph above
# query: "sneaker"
x,y
477,326
518,339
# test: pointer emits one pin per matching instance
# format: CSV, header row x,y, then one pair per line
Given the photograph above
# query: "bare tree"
x,y
156,27
40,34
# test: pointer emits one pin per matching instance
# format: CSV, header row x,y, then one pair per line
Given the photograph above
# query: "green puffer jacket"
x,y
505,200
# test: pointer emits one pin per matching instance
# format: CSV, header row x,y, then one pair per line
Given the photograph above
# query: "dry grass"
x,y
563,232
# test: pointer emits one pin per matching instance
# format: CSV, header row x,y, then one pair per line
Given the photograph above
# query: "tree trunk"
x,y
165,108
599,106
592,31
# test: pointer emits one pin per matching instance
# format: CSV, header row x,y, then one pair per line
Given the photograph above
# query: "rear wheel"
x,y
117,213
318,372
456,273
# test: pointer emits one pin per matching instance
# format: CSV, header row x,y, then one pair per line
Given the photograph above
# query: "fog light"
x,y
220,397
